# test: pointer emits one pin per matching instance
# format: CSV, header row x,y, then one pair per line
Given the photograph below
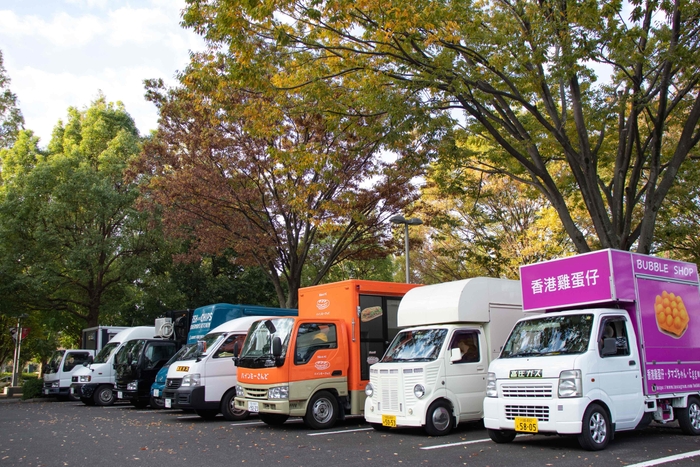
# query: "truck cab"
x,y
60,369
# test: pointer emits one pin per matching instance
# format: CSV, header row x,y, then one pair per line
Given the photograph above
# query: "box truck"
x,y
204,379
433,375
616,349
316,365
63,363
94,383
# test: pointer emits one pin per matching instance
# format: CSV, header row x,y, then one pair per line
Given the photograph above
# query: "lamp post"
x,y
406,222
18,346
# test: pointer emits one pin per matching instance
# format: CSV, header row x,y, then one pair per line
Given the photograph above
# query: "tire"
x,y
596,429
273,419
379,427
139,404
322,411
207,414
230,412
501,436
157,403
689,418
439,420
103,396
87,401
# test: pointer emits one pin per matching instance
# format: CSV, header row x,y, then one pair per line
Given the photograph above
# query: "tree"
x,y
71,238
520,75
272,180
11,120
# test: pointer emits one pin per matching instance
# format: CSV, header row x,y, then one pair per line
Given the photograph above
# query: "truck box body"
x,y
618,347
424,379
64,363
324,356
94,383
205,380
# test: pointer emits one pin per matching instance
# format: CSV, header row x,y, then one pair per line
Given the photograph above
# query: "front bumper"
x,y
274,406
413,416
188,398
79,390
561,416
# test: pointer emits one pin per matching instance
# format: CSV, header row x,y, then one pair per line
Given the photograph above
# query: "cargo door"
x,y
466,377
378,327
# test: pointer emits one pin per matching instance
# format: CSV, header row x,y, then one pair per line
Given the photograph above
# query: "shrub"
x,y
31,388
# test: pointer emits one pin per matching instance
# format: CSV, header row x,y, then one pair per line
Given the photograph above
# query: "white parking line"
x,y
474,441
664,460
339,432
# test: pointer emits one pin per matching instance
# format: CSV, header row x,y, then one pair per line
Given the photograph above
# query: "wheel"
x,y
380,427
689,418
228,409
139,404
157,403
103,396
207,414
501,436
322,411
273,419
595,429
438,419
87,401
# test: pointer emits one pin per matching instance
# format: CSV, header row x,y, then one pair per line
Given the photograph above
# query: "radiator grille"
x,y
531,390
540,412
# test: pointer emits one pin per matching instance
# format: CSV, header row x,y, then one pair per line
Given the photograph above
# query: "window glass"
x,y
614,328
226,348
468,344
312,337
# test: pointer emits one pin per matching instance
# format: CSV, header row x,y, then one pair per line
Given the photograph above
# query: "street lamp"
x,y
18,346
406,222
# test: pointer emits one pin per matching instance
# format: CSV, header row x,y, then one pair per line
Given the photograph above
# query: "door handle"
x,y
632,363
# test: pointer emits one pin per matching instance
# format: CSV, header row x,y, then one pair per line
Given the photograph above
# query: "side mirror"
x,y
455,355
609,346
276,347
236,349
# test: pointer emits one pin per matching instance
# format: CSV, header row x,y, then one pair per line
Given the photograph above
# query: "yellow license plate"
x,y
526,424
183,368
389,420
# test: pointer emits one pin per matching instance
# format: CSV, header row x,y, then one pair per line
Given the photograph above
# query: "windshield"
x,y
106,352
257,348
134,347
549,335
55,361
209,340
420,345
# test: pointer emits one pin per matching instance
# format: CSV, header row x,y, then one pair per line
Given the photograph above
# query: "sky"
x,y
63,53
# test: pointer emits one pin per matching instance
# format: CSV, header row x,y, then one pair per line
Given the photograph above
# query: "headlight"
x,y
419,390
132,386
240,392
491,388
85,378
570,383
55,384
281,392
192,380
369,390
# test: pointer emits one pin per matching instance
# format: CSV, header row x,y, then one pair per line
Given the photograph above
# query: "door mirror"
x,y
609,346
455,355
276,346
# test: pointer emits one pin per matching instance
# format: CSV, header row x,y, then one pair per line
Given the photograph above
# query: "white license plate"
x,y
253,407
156,393
120,395
46,391
72,390
168,403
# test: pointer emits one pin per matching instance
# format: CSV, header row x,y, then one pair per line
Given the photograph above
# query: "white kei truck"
x,y
94,383
434,372
63,364
204,378
617,348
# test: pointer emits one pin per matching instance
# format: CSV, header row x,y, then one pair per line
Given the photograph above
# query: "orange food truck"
x,y
316,365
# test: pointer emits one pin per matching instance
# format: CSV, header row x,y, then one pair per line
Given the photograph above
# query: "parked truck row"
x,y
584,346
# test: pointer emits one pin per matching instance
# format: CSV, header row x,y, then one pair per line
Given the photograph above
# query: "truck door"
x,y
620,373
377,329
220,370
316,352
466,378
155,356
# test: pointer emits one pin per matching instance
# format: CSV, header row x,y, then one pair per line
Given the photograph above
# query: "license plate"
x,y
156,393
253,407
46,391
120,395
526,424
389,420
168,404
72,390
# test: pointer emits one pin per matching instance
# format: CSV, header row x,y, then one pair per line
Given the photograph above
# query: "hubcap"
x,y
105,395
597,427
441,418
694,416
322,410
